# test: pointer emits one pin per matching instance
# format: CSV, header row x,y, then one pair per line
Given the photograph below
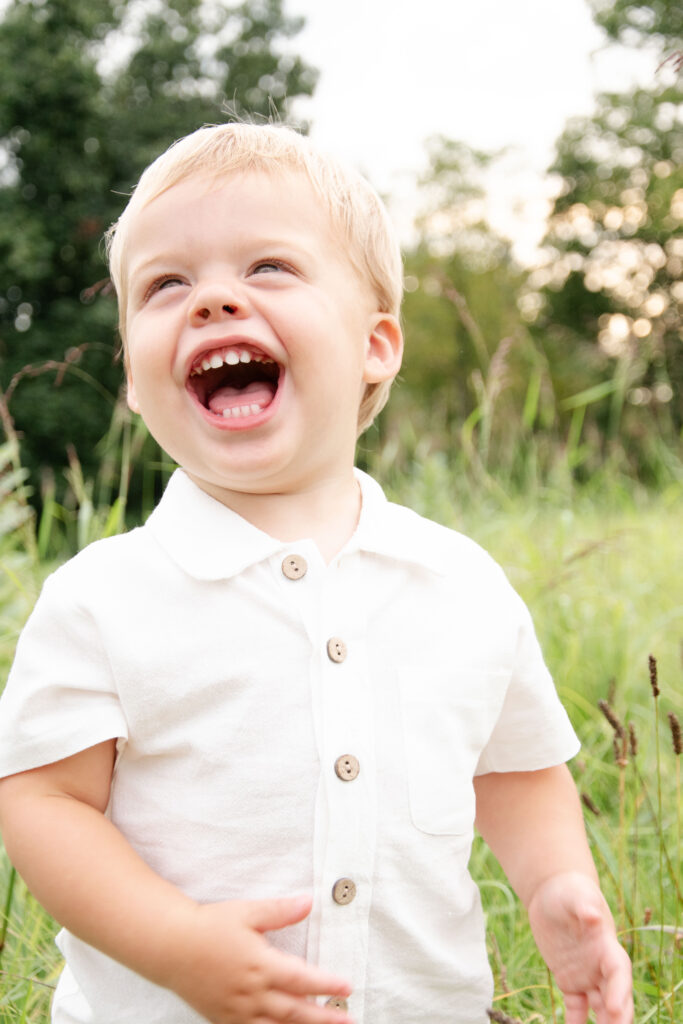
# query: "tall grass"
x,y
28,964
597,565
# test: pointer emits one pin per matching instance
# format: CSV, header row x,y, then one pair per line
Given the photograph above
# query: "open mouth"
x,y
234,382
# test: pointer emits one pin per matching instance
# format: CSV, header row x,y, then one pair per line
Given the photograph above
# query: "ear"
x,y
131,396
384,349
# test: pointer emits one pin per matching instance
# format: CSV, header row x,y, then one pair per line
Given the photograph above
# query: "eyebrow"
x,y
139,268
258,245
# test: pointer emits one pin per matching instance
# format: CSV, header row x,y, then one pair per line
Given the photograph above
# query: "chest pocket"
x,y
447,720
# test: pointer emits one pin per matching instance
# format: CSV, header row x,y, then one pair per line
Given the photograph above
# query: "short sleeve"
x,y
60,697
533,730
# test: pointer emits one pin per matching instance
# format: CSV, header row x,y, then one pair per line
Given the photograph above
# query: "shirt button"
x,y
343,891
336,649
347,767
338,1003
294,567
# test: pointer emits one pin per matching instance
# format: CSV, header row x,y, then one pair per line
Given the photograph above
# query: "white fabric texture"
x,y
185,640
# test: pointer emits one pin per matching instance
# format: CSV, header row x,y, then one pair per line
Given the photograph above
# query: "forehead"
x,y
244,206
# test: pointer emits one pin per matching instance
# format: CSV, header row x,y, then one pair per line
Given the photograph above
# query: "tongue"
x,y
259,392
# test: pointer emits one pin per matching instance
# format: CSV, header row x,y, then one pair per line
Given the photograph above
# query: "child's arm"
x,y
91,880
534,825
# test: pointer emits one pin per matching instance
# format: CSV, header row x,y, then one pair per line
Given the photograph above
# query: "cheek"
x,y
147,350
147,380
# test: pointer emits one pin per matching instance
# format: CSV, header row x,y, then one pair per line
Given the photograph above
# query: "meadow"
x,y
600,567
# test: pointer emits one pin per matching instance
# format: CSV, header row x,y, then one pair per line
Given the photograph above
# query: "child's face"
x,y
250,336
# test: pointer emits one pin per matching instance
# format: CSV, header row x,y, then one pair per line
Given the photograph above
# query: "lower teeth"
x,y
242,410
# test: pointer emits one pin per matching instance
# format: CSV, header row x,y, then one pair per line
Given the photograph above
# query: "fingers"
x,y
270,915
287,973
611,997
618,998
291,975
284,1008
234,974
576,1008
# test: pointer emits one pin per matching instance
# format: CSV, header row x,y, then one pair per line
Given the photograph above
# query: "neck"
x,y
327,512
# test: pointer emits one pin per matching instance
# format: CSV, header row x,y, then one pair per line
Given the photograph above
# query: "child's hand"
x,y
575,933
229,973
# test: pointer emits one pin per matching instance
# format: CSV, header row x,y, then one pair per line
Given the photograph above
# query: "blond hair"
x,y
355,209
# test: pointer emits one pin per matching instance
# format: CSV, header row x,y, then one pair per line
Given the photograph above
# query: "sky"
x,y
493,73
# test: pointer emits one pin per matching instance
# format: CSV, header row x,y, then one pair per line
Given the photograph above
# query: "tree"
x,y
89,94
636,21
469,358
610,287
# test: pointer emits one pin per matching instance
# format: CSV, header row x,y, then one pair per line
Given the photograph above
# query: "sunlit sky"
x,y
492,73
496,74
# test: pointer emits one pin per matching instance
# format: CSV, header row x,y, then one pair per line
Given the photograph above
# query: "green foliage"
x,y
507,369
577,362
89,94
614,258
469,353
29,962
635,21
609,293
18,551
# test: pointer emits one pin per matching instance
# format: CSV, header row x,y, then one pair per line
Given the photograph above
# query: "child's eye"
x,y
270,266
161,283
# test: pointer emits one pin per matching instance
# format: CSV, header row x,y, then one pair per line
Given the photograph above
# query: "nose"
x,y
206,312
215,302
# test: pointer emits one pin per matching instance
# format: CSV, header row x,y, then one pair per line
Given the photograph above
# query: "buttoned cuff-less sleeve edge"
x,y
60,697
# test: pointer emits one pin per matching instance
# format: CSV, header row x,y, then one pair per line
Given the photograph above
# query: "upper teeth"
x,y
229,357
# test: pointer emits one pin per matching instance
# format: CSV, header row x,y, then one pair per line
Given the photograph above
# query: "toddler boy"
x,y
277,706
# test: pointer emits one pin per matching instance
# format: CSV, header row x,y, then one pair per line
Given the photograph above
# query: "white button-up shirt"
x,y
234,683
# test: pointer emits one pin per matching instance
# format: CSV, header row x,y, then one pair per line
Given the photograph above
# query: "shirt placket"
x,y
333,612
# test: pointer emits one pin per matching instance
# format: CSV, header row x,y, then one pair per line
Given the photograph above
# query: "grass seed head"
x,y
611,717
632,739
587,801
498,1017
652,662
675,726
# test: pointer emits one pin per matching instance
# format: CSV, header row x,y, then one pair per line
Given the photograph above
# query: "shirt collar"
x,y
204,537
394,531
210,541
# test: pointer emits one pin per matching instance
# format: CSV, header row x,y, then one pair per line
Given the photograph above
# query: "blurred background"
x,y
531,155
